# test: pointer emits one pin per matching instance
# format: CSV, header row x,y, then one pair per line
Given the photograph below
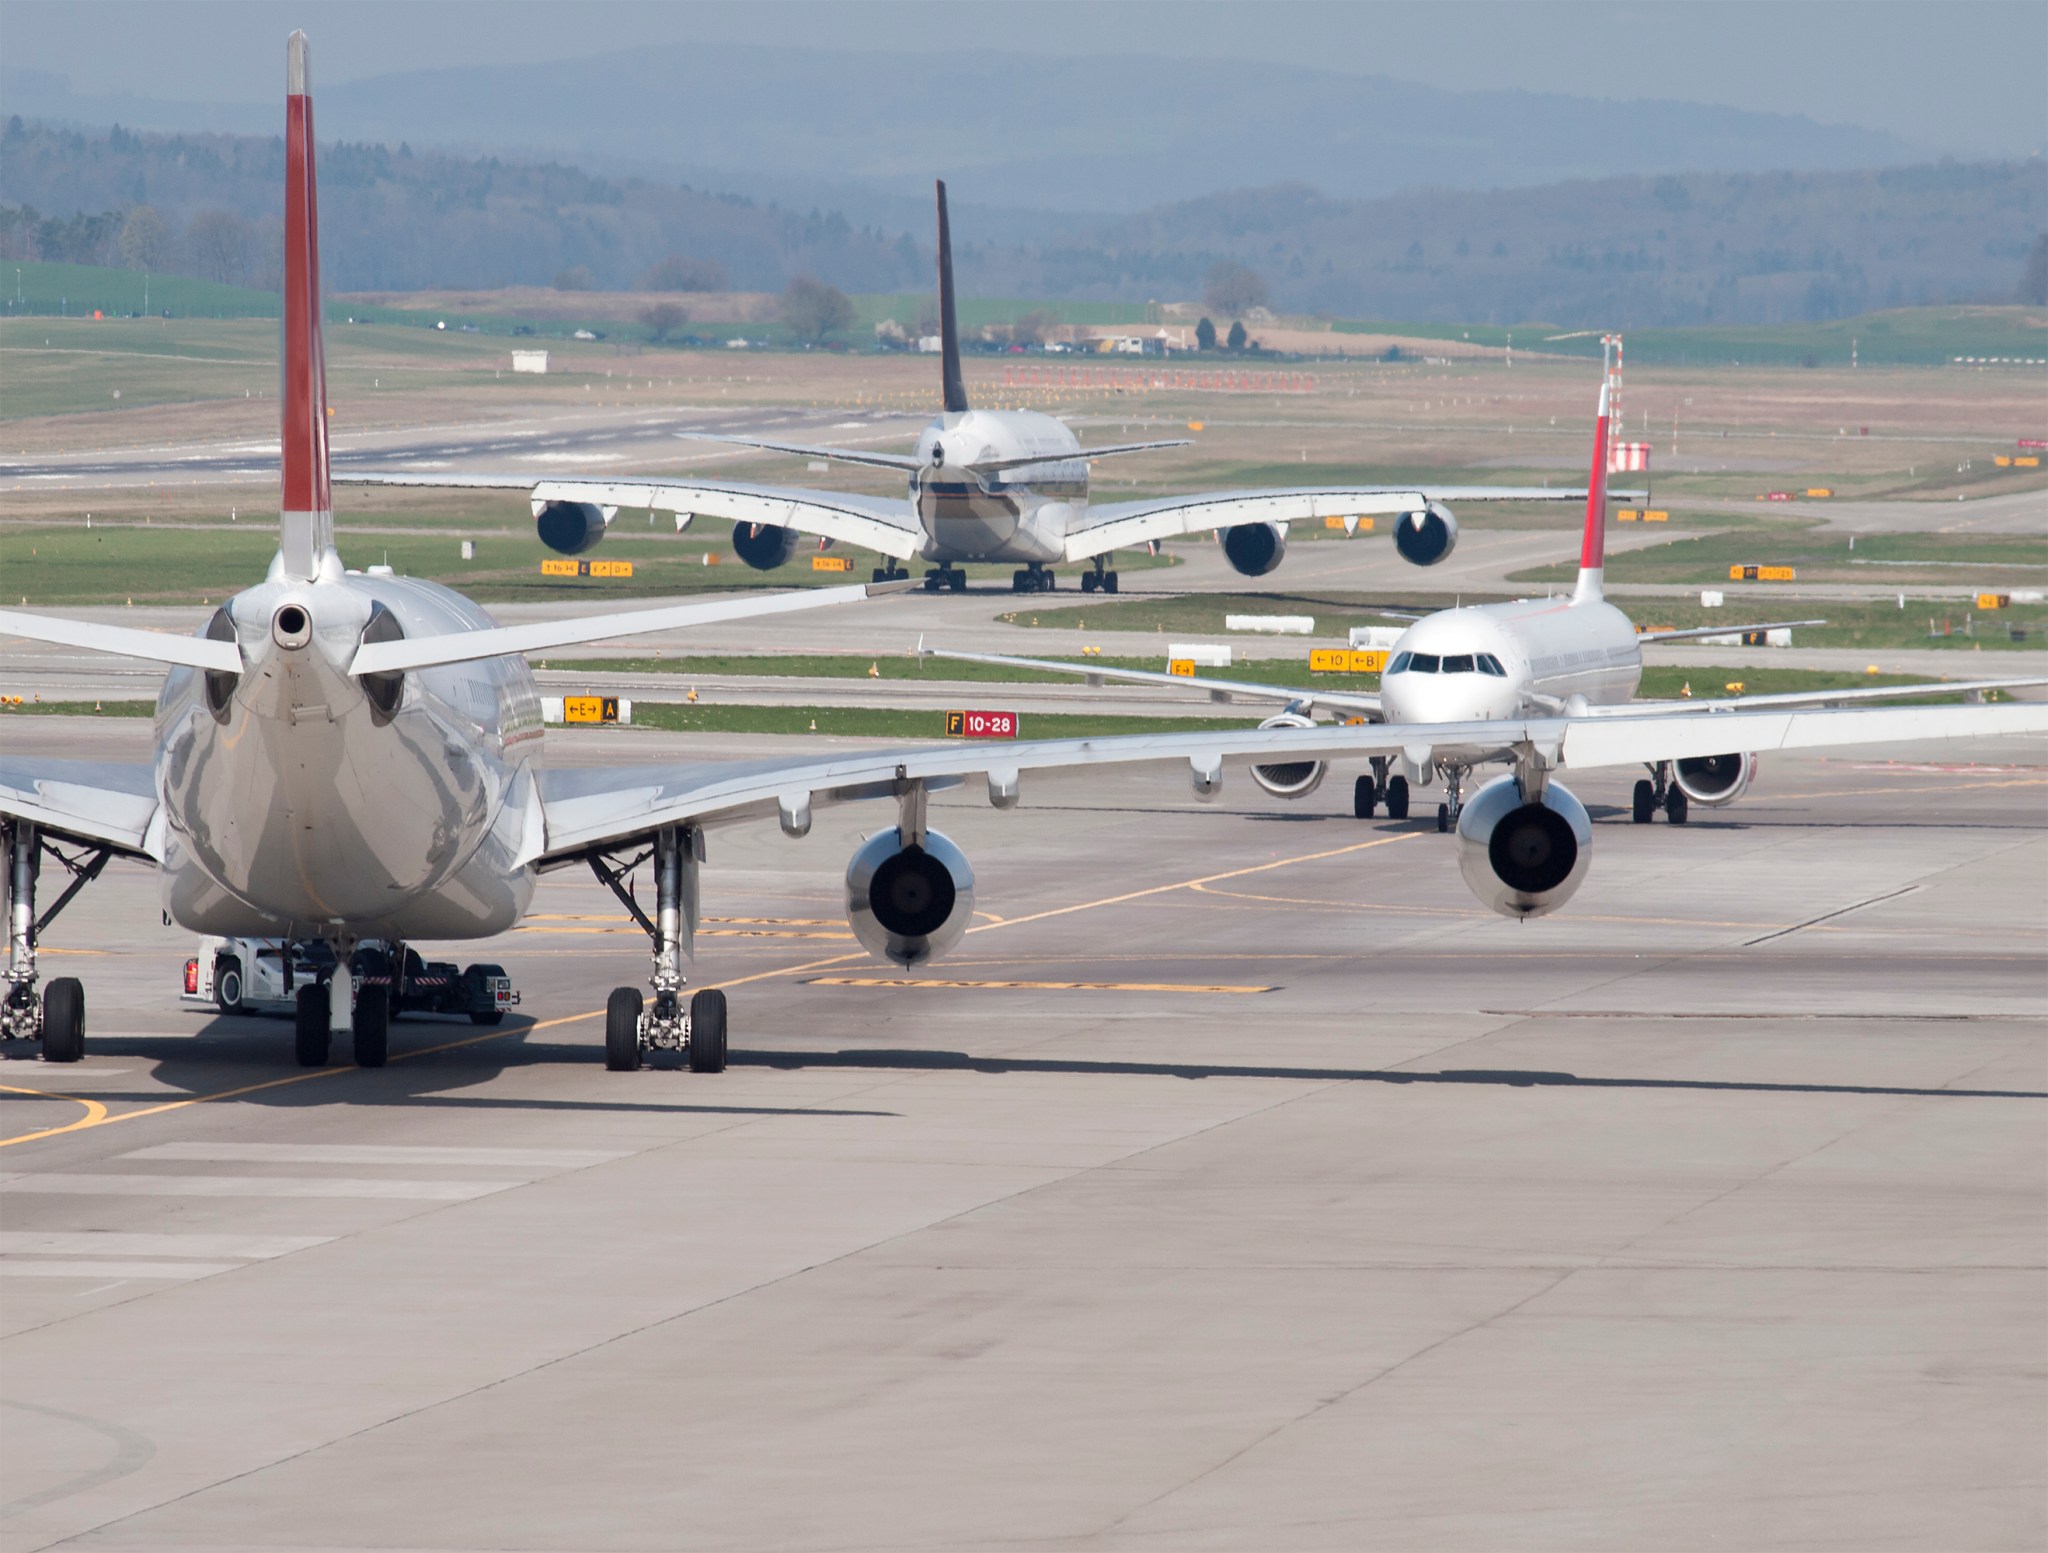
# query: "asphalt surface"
x,y
1237,1184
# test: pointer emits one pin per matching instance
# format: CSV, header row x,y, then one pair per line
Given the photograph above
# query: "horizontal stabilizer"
x,y
1097,673
502,641
194,652
1109,452
804,450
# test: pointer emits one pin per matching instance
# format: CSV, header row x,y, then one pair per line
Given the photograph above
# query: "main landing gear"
x,y
1369,792
633,1024
945,579
1101,579
1035,579
57,1018
891,572
1658,791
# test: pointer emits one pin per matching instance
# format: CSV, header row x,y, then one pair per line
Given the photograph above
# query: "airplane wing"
x,y
1794,699
805,450
1697,633
1122,525
97,802
880,523
1219,689
591,810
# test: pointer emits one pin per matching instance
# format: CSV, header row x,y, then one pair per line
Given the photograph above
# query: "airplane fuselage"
x,y
298,801
1506,660
1019,514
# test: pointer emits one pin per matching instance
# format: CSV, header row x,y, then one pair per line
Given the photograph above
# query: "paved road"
x,y
1707,1213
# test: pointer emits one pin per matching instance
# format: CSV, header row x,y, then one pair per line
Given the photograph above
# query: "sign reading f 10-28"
x,y
981,725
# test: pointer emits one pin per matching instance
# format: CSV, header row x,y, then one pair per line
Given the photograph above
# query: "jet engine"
x,y
1714,779
764,546
1291,778
1426,537
1521,858
570,527
909,904
1254,548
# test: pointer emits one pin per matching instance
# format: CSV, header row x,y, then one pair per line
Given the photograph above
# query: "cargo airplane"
x,y
342,757
984,485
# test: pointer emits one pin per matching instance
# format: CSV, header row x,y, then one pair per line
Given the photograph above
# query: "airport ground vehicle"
x,y
264,975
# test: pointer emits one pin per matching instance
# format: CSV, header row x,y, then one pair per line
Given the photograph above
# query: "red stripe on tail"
x,y
304,395
1593,549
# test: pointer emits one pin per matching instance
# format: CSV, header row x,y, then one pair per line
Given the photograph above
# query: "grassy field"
x,y
1998,561
1913,336
1851,622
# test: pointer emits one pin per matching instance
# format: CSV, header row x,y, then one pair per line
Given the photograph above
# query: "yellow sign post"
x,y
1762,574
1346,660
586,568
831,563
590,709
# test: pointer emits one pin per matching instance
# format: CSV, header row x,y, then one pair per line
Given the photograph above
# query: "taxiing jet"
x,y
1577,656
984,485
341,757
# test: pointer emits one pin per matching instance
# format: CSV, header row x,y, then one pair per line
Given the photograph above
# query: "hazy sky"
x,y
1966,76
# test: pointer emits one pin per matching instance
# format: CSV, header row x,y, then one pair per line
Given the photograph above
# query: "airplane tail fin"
x,y
1593,548
949,328
306,532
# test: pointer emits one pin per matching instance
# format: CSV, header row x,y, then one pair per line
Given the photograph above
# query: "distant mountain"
x,y
1631,251
1101,134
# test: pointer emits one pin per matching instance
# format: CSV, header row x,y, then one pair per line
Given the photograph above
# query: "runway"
x,y
1238,1183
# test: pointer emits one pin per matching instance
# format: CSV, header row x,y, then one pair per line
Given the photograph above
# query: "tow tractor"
x,y
263,975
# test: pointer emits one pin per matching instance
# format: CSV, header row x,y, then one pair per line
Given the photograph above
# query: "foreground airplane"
x,y
1577,656
341,757
985,485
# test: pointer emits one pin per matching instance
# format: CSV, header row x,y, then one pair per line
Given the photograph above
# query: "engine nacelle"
x,y
1254,548
570,527
764,546
1523,859
1713,780
909,904
1426,537
1293,778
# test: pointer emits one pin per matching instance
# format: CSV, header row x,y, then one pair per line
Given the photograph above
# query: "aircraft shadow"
x,y
1509,1078
231,1052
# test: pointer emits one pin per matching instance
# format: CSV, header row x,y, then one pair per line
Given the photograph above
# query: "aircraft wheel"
x,y
1087,582
310,1039
1443,819
371,1024
64,1020
957,581
1364,797
931,582
227,985
1020,582
1643,805
1397,798
707,1031
1109,582
1675,806
622,1030
1050,583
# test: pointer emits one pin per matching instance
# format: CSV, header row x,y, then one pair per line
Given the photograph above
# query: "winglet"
x,y
954,386
306,532
1593,548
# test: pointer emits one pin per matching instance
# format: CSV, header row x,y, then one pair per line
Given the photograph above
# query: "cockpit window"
x,y
1460,663
1400,663
1423,663
1488,664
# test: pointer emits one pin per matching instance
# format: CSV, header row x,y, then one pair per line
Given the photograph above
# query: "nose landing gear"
x,y
632,1024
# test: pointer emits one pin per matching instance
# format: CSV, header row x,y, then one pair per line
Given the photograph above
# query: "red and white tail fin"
x,y
307,531
1593,548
